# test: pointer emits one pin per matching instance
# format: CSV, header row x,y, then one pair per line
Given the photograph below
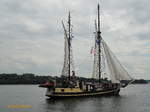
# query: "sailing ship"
x,y
69,85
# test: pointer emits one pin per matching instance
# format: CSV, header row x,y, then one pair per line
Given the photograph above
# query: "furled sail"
x,y
65,70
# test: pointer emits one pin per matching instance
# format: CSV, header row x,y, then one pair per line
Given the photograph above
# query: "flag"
x,y
98,41
93,51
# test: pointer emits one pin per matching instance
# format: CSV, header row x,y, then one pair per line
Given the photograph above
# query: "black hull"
x,y
86,94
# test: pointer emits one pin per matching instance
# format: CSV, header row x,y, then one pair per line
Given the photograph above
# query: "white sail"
x,y
114,68
65,65
110,65
65,70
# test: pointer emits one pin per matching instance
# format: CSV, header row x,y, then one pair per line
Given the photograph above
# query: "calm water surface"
x,y
134,98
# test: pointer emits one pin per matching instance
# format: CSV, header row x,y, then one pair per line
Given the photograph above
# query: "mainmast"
x,y
99,43
69,38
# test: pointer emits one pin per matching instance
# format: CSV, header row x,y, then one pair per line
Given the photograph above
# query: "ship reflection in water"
x,y
90,104
135,98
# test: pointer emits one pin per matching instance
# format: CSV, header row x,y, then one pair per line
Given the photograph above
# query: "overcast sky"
x,y
32,38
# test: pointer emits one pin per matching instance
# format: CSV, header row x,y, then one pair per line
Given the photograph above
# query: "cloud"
x,y
31,35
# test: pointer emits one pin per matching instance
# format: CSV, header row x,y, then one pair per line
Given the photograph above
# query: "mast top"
x,y
99,19
69,18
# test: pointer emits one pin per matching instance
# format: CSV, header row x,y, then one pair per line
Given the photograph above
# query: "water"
x,y
134,98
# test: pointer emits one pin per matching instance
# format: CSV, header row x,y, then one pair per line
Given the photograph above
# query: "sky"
x,y
32,37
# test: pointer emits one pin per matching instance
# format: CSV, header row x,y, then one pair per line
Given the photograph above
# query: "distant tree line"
x,y
26,78
137,81
140,81
29,78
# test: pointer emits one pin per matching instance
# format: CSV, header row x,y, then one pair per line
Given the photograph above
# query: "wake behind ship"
x,y
68,85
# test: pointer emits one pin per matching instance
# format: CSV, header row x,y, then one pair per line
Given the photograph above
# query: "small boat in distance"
x,y
69,85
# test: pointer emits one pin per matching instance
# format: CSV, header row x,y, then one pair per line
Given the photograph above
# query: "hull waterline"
x,y
84,94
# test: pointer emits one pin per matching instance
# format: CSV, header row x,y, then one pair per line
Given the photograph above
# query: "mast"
x,y
99,43
69,24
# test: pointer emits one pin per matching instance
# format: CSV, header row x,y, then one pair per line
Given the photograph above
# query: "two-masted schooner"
x,y
69,85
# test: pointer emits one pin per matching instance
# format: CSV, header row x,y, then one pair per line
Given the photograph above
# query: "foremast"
x,y
69,43
68,65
